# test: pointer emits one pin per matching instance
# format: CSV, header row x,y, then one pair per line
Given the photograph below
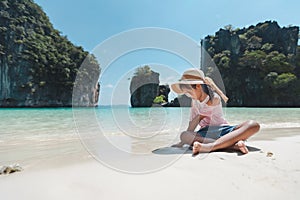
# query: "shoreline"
x,y
75,150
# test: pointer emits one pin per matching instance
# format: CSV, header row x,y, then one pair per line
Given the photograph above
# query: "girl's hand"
x,y
194,123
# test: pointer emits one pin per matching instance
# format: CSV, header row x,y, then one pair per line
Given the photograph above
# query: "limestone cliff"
x,y
38,66
258,64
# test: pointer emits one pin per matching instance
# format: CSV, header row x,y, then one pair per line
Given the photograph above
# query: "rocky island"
x,y
144,87
146,91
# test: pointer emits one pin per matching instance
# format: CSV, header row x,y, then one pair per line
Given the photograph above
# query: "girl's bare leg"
x,y
241,133
240,146
192,138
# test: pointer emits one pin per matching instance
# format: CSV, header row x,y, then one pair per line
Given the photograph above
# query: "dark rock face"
x,y
164,90
38,66
227,41
143,89
180,101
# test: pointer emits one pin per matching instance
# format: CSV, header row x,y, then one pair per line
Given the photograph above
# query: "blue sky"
x,y
88,23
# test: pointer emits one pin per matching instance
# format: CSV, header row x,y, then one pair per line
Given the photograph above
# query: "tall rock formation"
x,y
144,87
38,66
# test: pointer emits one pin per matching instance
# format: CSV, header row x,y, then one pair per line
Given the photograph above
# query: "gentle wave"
x,y
280,125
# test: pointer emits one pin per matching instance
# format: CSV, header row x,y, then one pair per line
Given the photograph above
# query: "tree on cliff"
x,y
259,64
143,71
38,66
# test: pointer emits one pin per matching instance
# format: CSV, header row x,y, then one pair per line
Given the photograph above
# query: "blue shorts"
x,y
215,132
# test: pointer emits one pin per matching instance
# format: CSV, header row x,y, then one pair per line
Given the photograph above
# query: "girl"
x,y
215,133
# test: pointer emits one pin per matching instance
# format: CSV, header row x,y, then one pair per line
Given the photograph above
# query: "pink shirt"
x,y
213,114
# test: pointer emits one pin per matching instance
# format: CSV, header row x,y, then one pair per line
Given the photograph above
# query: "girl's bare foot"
x,y
240,145
196,148
200,147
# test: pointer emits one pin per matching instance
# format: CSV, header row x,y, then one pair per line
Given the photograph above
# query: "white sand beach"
x,y
270,171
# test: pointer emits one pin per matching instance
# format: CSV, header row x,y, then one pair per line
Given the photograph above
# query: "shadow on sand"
x,y
188,150
172,150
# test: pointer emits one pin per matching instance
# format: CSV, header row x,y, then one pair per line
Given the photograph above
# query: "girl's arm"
x,y
193,124
216,100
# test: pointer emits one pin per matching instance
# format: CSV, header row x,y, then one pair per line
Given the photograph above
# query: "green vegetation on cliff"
x,y
260,65
38,65
159,99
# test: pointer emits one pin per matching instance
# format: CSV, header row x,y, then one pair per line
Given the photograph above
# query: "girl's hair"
x,y
186,86
206,89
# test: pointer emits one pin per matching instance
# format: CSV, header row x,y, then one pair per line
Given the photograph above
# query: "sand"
x,y
270,171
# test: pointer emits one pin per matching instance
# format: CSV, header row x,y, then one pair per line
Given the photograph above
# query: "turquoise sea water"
x,y
28,135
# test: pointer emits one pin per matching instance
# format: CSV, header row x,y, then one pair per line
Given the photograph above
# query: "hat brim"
x,y
176,86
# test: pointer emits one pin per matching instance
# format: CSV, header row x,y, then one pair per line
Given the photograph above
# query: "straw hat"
x,y
190,76
196,76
